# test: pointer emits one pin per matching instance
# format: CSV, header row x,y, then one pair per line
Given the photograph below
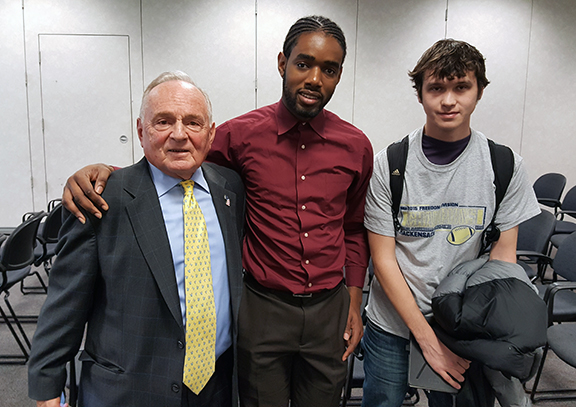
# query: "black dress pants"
x,y
290,348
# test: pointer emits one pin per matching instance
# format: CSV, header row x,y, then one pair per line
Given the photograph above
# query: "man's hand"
x,y
444,362
51,403
79,190
354,328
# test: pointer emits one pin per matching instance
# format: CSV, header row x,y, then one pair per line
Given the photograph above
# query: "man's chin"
x,y
308,112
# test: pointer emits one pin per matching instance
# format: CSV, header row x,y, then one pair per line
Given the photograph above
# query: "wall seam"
x,y
526,79
255,54
355,62
32,189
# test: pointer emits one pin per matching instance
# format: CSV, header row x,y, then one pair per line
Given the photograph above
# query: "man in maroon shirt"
x,y
306,172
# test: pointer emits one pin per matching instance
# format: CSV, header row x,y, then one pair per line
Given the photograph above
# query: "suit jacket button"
x,y
180,345
175,388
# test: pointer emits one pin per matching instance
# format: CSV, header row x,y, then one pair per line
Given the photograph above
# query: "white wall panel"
x,y
97,122
15,173
274,20
391,37
549,139
73,17
212,41
501,32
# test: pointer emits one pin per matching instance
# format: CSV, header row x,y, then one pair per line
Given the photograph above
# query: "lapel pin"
x,y
227,200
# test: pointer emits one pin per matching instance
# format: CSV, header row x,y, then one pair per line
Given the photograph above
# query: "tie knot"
x,y
188,186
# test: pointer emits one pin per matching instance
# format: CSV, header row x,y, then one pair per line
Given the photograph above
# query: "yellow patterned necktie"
x,y
199,363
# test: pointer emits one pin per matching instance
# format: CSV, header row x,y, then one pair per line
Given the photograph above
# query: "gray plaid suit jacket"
x,y
117,275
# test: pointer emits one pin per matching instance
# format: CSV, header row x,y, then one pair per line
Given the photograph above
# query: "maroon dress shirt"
x,y
306,185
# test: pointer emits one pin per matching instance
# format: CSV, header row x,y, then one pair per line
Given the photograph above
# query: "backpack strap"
x,y
502,159
397,156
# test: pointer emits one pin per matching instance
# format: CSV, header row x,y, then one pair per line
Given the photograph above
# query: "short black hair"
x,y
313,24
449,58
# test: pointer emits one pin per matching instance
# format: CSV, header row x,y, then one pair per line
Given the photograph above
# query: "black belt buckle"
x,y
309,295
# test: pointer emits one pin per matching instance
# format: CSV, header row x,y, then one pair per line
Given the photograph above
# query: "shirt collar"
x,y
165,183
287,121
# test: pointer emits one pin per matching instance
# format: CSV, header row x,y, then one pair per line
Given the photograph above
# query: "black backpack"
x,y
502,159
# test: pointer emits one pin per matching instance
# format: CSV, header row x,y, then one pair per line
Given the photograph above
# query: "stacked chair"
x,y
16,260
47,238
548,189
563,226
533,241
560,297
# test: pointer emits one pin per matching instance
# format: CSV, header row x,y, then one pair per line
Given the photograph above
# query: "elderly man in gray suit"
x,y
131,278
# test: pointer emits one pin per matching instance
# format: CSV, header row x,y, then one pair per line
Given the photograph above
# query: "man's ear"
x,y
212,134
140,128
281,63
480,94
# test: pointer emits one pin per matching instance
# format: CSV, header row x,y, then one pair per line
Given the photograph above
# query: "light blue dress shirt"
x,y
171,196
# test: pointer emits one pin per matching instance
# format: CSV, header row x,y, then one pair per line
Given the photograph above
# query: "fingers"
x,y
68,203
454,374
447,364
101,178
352,334
79,191
49,403
452,381
74,195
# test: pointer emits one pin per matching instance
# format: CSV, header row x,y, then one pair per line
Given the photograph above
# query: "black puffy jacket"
x,y
488,311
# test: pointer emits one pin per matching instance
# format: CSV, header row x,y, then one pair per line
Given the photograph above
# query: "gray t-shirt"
x,y
443,211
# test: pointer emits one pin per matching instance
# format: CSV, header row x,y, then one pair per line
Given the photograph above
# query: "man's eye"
x,y
195,126
301,65
161,124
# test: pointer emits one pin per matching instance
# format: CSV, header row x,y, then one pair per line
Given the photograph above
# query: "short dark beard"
x,y
290,103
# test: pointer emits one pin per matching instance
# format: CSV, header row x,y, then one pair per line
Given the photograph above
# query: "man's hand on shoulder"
x,y
80,191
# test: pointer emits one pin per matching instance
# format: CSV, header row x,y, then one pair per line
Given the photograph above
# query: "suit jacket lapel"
x,y
225,203
148,224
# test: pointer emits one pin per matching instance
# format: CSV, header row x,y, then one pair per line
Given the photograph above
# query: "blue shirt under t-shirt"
x,y
441,152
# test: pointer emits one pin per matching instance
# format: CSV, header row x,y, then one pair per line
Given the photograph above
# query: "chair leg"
x,y
16,319
412,392
48,266
13,359
347,391
41,289
554,395
538,374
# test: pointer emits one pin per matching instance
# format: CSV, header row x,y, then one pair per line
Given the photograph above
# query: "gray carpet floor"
x,y
13,379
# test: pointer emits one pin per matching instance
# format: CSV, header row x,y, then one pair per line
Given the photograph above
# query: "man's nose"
x,y
179,130
314,76
449,99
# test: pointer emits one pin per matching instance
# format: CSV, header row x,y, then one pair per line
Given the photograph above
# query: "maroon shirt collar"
x,y
287,121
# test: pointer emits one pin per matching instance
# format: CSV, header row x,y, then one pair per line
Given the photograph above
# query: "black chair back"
x,y
534,234
18,249
564,262
549,188
568,205
52,225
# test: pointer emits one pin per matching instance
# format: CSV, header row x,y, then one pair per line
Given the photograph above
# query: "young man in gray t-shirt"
x,y
448,200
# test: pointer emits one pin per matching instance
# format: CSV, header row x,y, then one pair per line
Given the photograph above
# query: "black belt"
x,y
288,297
